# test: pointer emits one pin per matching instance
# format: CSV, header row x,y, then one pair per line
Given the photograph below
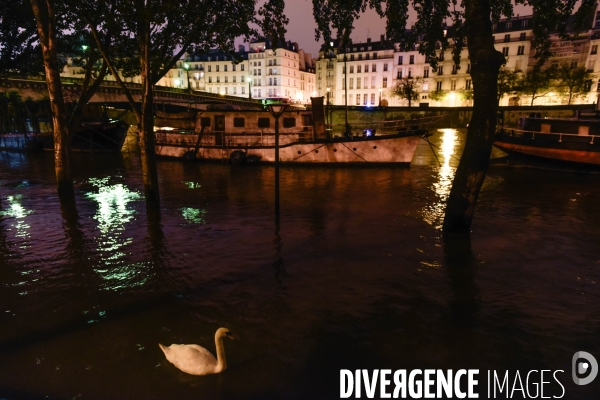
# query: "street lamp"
x,y
249,79
276,111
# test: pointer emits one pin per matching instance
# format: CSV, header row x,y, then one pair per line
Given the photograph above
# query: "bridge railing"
x,y
35,81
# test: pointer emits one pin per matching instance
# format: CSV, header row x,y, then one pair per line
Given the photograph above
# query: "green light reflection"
x,y
113,213
193,215
191,185
18,212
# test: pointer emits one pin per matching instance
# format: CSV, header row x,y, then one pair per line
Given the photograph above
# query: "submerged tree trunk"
x,y
486,62
44,13
147,151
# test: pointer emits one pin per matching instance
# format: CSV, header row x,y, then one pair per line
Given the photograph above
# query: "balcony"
x,y
515,39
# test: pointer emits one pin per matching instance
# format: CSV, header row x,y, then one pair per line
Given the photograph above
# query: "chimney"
x,y
382,38
368,40
242,48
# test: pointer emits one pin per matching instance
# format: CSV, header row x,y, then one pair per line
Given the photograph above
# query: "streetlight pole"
x,y
276,111
380,97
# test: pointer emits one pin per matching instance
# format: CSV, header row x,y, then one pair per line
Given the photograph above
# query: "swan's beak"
x,y
230,335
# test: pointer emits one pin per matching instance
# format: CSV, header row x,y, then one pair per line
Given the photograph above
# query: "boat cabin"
x,y
582,124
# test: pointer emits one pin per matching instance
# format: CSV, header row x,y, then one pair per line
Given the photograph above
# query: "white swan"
x,y
196,360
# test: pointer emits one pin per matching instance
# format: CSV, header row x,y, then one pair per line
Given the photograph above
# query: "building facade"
x,y
260,72
370,70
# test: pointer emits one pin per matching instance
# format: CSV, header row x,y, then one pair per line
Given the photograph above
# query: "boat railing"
x,y
391,127
522,132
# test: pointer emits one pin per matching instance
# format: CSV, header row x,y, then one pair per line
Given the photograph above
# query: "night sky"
x,y
301,28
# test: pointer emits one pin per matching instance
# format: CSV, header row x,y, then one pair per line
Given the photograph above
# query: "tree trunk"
x,y
570,96
486,62
147,151
46,25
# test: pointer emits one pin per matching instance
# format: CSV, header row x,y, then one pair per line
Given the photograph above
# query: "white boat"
x,y
248,136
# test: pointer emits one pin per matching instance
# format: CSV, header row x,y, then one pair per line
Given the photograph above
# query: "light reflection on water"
x,y
192,185
19,213
114,212
193,215
433,213
112,200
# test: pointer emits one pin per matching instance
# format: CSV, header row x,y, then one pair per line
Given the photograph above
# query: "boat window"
x,y
239,122
264,122
205,121
307,120
289,122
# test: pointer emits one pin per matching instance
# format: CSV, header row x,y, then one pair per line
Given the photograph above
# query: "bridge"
x,y
111,94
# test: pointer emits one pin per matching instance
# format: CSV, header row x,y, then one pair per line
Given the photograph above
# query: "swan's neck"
x,y
221,360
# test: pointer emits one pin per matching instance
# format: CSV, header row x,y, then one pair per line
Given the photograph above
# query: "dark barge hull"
x,y
89,137
572,148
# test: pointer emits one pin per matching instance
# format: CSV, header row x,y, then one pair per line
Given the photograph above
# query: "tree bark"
x,y
45,18
486,62
147,150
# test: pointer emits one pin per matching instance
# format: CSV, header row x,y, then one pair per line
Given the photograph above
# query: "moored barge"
x,y
573,140
248,136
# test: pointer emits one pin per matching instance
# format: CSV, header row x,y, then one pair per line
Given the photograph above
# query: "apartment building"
x,y
374,68
259,72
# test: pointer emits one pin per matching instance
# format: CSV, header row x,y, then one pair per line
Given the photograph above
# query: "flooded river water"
x,y
355,276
